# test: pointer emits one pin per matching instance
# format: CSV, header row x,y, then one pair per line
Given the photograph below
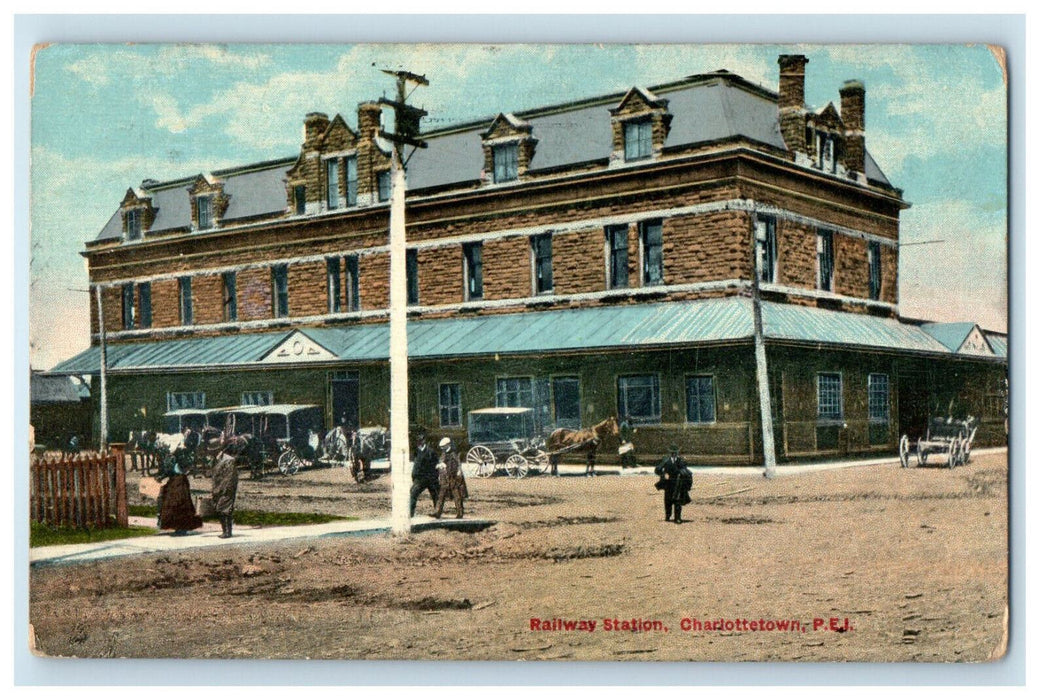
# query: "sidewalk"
x,y
208,536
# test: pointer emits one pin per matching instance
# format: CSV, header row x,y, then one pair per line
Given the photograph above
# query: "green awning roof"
x,y
662,324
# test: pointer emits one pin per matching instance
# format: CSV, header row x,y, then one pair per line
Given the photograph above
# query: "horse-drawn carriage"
x,y
504,439
951,437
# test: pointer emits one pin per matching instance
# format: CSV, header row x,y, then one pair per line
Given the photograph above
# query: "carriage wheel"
x,y
921,452
517,466
954,453
289,462
903,451
541,459
965,451
479,461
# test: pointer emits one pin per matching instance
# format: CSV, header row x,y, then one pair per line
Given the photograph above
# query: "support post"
x,y
762,381
398,417
103,402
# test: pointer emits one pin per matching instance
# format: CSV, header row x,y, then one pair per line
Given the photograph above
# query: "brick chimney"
x,y
316,124
852,112
368,119
791,105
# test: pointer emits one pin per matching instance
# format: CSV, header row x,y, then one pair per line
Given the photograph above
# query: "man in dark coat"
x,y
675,484
424,476
224,482
452,481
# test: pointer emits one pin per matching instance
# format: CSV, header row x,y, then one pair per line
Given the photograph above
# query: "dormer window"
x,y
134,224
638,140
332,183
204,212
506,160
350,181
823,147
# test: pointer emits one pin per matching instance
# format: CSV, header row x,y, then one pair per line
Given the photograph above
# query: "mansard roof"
x,y
705,108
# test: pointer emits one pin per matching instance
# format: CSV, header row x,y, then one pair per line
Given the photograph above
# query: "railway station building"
x,y
588,259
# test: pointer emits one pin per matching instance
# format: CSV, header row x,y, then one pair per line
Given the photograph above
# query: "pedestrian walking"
x,y
224,482
424,475
175,503
674,483
452,481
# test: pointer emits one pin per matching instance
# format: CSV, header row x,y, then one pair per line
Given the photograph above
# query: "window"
x,y
617,256
229,296
299,199
826,150
567,402
332,183
875,280
279,274
474,273
204,213
412,276
350,182
450,405
825,260
384,181
638,139
701,400
513,392
186,399
651,236
145,305
766,249
639,398
256,398
542,250
878,398
505,162
352,282
134,224
128,306
334,285
830,396
185,297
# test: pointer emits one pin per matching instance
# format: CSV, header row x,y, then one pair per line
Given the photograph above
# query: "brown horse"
x,y
562,439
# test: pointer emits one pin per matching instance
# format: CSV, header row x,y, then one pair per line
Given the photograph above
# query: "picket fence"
x,y
86,490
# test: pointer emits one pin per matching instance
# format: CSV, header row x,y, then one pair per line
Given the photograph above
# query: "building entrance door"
x,y
345,398
914,401
567,402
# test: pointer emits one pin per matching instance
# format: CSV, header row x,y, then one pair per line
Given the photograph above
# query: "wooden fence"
x,y
88,490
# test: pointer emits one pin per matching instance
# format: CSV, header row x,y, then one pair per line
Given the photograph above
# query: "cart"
x,y
950,437
288,436
504,439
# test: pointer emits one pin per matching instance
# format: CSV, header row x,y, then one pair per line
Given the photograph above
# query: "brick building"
x,y
588,259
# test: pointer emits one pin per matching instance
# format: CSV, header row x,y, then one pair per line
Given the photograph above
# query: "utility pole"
x,y
406,133
762,380
103,403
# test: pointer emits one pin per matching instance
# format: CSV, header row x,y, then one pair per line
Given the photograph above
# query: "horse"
x,y
364,447
589,438
336,445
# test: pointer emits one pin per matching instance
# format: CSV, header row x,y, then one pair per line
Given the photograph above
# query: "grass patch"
x,y
41,535
256,517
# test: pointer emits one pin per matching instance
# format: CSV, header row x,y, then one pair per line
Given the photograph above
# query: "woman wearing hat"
x,y
452,481
675,483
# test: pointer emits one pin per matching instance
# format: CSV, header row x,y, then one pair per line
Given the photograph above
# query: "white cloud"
x,y
215,54
92,69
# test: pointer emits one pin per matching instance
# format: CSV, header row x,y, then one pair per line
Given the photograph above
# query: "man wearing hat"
x,y
424,476
452,481
674,483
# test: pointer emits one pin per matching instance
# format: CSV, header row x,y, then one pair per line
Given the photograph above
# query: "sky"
x,y
106,117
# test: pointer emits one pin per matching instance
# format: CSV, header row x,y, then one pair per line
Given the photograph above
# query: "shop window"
x,y
651,238
505,162
542,251
186,399
638,139
256,398
450,405
279,275
825,260
830,396
474,280
185,297
701,400
617,256
145,305
875,278
766,248
639,398
128,306
513,392
229,296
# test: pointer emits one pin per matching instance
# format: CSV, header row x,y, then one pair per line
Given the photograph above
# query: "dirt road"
x,y
913,563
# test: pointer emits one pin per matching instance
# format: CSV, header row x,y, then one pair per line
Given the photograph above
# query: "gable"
x,y
976,344
298,347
